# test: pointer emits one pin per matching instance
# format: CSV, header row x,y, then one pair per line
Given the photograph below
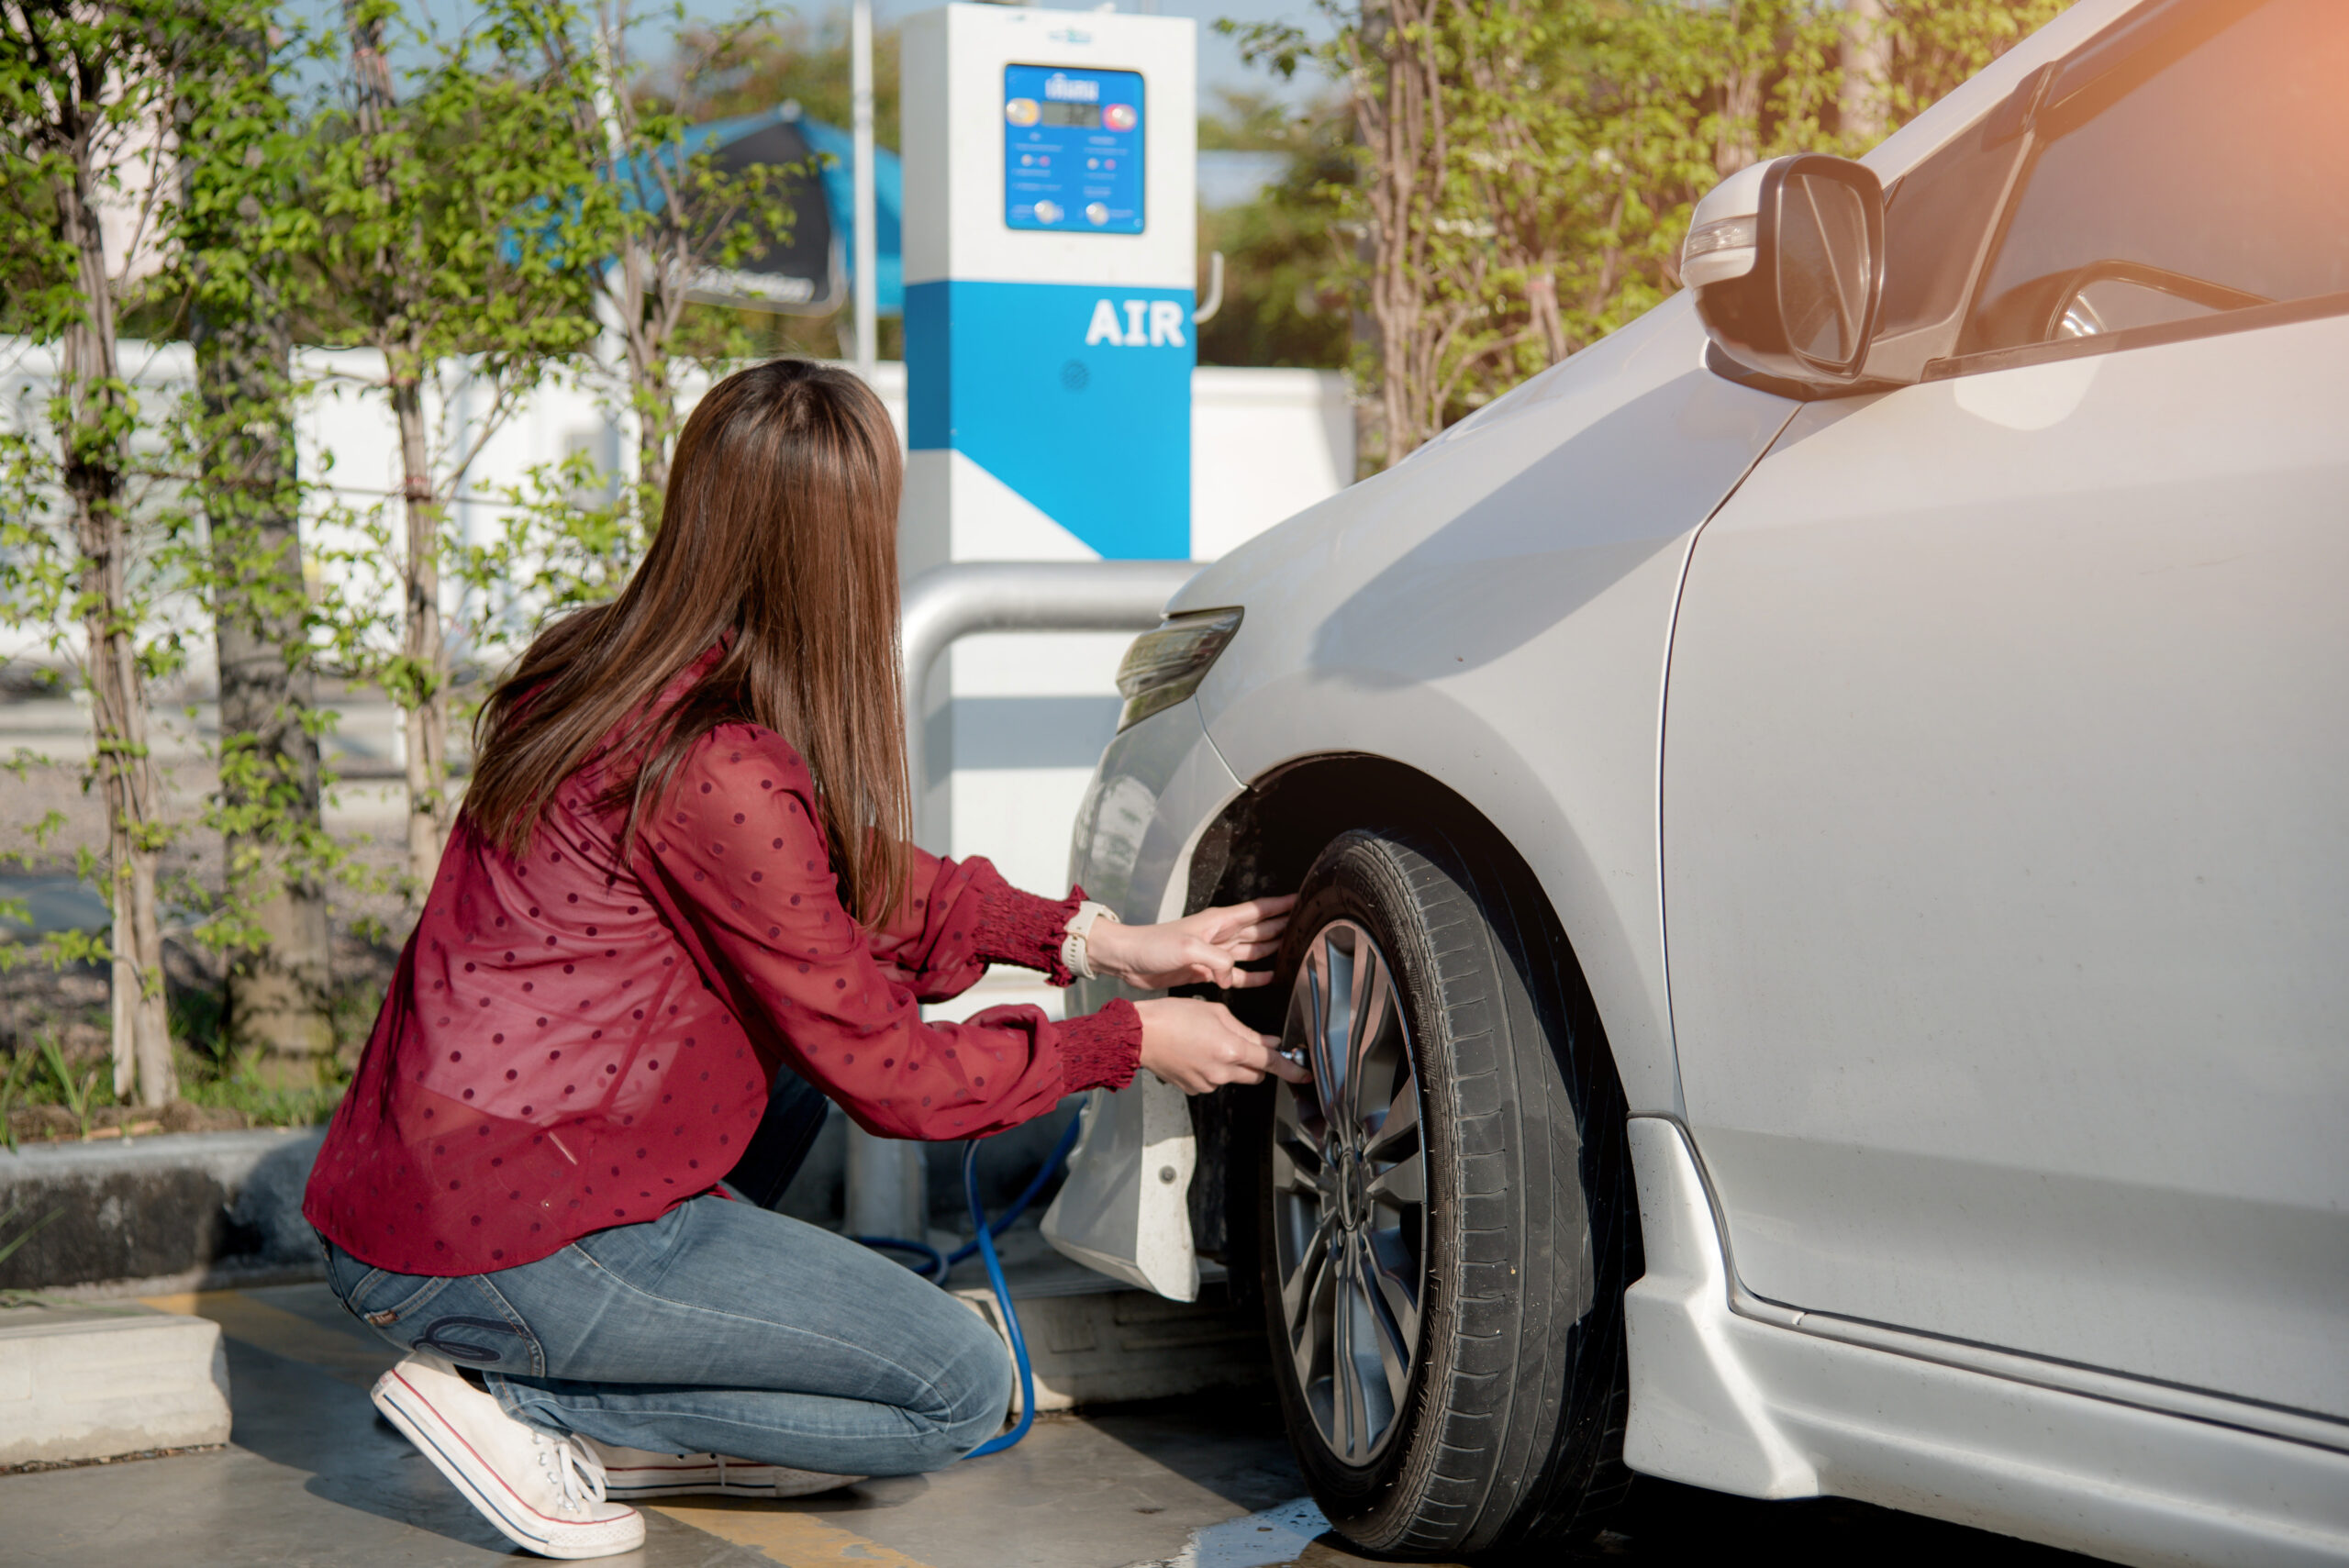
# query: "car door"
x,y
2006,786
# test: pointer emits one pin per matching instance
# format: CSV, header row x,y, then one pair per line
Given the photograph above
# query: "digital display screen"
x,y
1073,142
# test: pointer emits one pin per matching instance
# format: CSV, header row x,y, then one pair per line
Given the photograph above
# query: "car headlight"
x,y
1165,666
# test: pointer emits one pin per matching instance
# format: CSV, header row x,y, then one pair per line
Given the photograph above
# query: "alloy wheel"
x,y
1350,1195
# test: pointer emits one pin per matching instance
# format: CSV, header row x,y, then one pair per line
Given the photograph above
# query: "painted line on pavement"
x,y
281,1333
803,1540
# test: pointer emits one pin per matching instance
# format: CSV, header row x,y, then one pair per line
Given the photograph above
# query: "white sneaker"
x,y
631,1475
542,1493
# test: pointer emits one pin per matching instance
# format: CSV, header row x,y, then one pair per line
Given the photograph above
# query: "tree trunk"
x,y
423,652
1401,115
654,399
1369,350
655,426
1865,111
642,312
1543,314
279,1001
420,686
1737,140
92,433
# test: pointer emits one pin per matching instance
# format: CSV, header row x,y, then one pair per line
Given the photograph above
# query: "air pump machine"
x,y
1050,253
1051,257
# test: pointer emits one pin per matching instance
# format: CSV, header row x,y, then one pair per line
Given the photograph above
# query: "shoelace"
x,y
576,1471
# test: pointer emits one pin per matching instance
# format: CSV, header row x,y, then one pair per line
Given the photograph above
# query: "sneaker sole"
x,y
779,1490
413,1415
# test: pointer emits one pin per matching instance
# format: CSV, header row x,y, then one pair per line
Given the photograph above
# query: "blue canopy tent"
x,y
807,273
888,201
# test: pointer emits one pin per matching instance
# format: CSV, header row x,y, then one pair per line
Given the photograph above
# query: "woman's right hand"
x,y
1197,1045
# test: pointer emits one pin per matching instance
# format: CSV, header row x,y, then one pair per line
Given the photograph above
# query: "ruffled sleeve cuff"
x,y
1022,928
1100,1051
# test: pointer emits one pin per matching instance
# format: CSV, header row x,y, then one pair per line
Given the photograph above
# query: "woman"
x,y
678,896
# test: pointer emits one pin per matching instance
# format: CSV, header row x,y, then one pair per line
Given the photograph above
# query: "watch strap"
x,y
1073,956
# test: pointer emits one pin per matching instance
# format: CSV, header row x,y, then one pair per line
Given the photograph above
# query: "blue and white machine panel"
x,y
1051,234
1073,150
1077,398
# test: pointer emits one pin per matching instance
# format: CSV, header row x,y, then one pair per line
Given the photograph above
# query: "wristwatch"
x,y
1073,958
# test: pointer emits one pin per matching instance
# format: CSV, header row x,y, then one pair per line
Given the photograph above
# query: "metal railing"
x,y
887,1192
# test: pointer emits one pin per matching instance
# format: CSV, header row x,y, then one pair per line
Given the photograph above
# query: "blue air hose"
x,y
933,1266
985,1241
932,1263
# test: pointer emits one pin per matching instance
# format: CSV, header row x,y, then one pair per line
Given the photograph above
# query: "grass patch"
x,y
239,1088
57,1075
40,1075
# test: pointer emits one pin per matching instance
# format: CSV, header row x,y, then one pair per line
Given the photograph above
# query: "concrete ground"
x,y
311,1476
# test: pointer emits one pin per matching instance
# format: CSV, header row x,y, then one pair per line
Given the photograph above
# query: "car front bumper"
x,y
1125,1209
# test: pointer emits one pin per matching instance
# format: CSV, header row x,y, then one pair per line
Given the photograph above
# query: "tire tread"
x,y
1523,1442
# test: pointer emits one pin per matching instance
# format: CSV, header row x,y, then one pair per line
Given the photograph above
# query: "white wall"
x,y
1265,444
1029,714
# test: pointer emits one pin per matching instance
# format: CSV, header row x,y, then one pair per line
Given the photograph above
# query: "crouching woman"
x,y
678,911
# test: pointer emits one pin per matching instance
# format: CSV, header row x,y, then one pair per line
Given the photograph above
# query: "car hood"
x,y
1326,551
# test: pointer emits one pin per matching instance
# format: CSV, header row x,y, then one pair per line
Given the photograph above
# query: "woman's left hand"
x,y
1206,948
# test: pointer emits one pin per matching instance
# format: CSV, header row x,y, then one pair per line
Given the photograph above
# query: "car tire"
x,y
1509,1429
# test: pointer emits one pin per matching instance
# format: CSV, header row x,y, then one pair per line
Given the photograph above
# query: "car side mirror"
x,y
1787,258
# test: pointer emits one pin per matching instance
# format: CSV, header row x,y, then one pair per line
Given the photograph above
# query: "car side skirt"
x,y
1726,1398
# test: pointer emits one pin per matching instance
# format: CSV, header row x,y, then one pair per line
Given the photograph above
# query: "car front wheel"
x,y
1446,1231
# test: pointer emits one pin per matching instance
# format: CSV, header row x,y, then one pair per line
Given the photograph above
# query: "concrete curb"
x,y
175,1211
178,1212
90,1383
1092,1341
1116,1345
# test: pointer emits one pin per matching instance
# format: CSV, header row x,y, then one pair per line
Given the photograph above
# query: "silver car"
x,y
1823,827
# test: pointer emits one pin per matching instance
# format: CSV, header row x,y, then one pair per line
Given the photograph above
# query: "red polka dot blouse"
x,y
572,1042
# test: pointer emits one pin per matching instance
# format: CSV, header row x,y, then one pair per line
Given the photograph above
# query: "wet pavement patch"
x,y
1266,1539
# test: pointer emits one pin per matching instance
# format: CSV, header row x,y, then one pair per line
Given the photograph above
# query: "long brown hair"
x,y
778,538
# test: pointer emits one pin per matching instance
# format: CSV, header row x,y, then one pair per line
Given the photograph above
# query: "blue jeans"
x,y
719,1327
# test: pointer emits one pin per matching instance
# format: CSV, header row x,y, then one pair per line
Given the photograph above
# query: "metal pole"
x,y
952,602
865,267
887,1189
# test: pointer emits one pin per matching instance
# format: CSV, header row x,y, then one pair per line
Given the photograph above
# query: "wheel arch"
x,y
1262,843
1266,837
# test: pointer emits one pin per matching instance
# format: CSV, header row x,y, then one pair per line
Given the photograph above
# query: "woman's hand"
x,y
1197,1045
1205,948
